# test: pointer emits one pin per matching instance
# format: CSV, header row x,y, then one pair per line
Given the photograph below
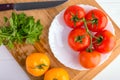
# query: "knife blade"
x,y
30,5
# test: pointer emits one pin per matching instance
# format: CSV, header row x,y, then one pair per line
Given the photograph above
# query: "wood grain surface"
x,y
20,52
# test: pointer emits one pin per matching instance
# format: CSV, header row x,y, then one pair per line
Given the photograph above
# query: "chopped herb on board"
x,y
20,28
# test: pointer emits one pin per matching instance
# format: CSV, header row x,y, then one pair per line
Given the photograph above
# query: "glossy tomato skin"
x,y
96,20
79,39
73,16
56,74
37,64
107,42
89,59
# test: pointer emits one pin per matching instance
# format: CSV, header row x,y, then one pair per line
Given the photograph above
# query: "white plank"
x,y
9,68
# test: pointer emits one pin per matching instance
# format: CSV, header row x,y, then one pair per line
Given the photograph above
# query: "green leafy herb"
x,y
20,28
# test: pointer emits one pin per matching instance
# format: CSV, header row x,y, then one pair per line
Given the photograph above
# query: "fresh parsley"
x,y
20,28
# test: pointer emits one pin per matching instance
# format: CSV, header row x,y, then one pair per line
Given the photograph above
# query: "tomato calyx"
x,y
93,21
55,79
79,38
99,39
40,66
75,18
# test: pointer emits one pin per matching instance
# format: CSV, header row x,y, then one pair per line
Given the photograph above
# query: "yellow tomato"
x,y
37,64
56,74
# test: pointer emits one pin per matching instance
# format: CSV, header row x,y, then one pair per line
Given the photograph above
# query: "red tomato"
x,y
73,16
104,42
96,20
89,59
78,39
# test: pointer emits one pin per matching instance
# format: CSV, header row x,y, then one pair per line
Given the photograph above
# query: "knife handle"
x,y
8,6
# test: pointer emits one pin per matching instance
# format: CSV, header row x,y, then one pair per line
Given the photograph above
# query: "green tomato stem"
x,y
90,34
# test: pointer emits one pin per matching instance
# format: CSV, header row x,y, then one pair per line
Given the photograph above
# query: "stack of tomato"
x,y
82,39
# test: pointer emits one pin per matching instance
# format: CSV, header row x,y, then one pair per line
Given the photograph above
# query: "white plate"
x,y
58,36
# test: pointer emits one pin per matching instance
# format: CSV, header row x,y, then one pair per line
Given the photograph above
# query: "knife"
x,y
30,5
